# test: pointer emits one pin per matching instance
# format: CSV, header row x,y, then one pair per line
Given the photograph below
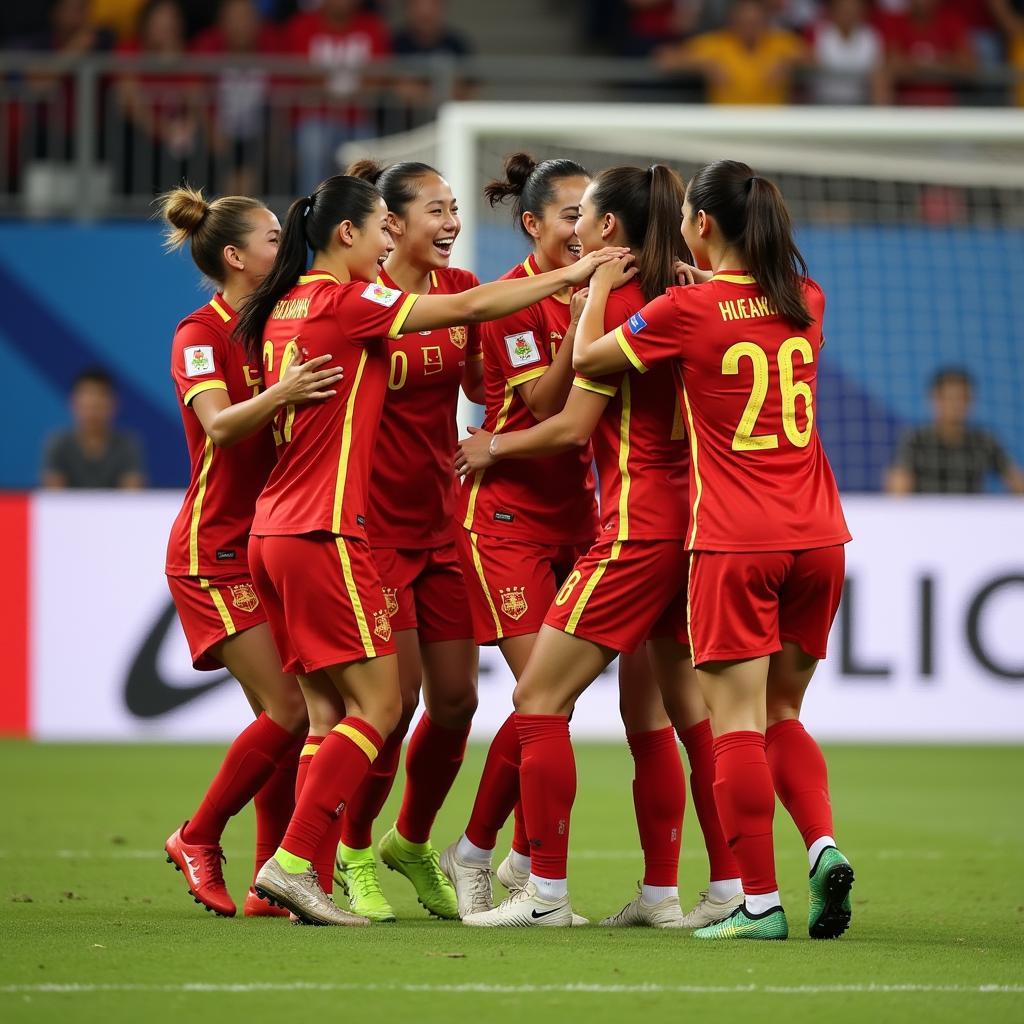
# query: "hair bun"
x,y
184,209
518,168
367,170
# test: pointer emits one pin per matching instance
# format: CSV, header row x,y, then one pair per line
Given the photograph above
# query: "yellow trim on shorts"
x,y
222,608
353,596
591,585
483,585
365,745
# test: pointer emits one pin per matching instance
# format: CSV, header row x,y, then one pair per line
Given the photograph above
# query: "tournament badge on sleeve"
x,y
513,602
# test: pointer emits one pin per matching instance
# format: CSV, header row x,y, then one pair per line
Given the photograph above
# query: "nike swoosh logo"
x,y
544,913
191,868
146,693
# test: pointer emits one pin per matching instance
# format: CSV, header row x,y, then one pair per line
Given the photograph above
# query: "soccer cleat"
x,y
740,924
525,909
830,909
201,866
709,911
637,914
434,891
256,906
302,895
357,877
514,880
471,882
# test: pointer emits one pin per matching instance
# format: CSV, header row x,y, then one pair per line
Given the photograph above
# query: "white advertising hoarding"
x,y
928,646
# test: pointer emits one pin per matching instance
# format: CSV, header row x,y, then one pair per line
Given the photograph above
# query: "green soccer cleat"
x,y
420,865
355,871
743,925
830,909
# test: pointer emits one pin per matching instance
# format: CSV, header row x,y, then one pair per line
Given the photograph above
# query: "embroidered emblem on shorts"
x,y
513,602
382,625
458,336
244,598
391,600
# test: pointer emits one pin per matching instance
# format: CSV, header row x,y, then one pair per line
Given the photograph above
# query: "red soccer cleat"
x,y
201,868
257,906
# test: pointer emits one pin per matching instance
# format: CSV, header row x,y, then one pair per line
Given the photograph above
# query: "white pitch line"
x,y
582,988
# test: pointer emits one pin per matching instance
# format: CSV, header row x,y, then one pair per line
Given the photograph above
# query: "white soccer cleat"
x,y
709,911
636,914
525,909
472,883
509,877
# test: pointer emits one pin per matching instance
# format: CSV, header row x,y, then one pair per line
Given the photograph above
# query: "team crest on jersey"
x,y
198,360
244,598
522,348
380,294
513,602
382,625
391,600
458,336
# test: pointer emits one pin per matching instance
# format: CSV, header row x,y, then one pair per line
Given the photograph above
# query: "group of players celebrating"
x,y
340,551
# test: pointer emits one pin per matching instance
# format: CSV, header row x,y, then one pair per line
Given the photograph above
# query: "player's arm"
x,y
500,298
571,428
473,371
598,352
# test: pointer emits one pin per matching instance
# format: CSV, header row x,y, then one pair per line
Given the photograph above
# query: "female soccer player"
x,y
411,525
523,524
643,467
308,546
767,534
226,416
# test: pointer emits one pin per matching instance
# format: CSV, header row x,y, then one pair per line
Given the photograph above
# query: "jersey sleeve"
x,y
607,386
474,343
652,335
373,311
197,360
518,346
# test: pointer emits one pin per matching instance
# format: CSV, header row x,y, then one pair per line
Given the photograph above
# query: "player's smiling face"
x,y
261,246
426,233
589,226
370,245
554,232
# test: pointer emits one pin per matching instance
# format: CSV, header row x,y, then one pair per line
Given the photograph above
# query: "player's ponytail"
x,y
752,215
530,185
399,184
310,224
209,227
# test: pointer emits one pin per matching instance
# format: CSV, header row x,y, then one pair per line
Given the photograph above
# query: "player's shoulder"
x,y
519,270
204,325
814,296
623,302
454,279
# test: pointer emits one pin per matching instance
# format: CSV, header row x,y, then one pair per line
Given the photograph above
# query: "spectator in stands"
x,y
71,30
340,38
1011,20
928,50
749,61
426,32
93,453
118,16
848,55
950,456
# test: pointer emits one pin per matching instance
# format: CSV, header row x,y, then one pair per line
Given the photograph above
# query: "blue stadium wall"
x,y
901,303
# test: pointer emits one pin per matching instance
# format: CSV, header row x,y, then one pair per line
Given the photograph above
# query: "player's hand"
x,y
309,381
615,273
474,452
576,304
686,273
581,270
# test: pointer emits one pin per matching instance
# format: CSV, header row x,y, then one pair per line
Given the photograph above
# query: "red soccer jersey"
x,y
210,534
548,500
324,448
413,482
640,443
760,480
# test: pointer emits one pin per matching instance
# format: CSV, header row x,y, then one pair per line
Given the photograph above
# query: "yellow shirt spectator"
x,y
119,15
738,72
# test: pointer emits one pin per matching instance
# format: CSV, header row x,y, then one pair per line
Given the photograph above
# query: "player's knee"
x,y
288,710
454,710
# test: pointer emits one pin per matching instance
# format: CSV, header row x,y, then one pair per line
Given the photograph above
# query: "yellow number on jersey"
x,y
565,593
291,350
399,370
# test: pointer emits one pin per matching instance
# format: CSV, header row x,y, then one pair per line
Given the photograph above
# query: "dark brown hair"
x,y
530,185
399,184
208,227
647,205
752,214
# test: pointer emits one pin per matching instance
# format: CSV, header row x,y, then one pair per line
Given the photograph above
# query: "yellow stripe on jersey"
x,y
620,337
224,314
319,275
365,745
197,510
624,421
403,314
734,278
433,279
198,389
309,749
526,375
222,608
595,578
346,445
479,566
689,590
592,385
353,596
694,467
478,479
529,269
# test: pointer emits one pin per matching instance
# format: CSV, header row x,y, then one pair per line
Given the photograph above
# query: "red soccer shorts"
x,y
620,593
425,590
511,582
745,604
323,599
212,610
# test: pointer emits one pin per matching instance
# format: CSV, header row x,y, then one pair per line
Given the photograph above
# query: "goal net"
x,y
911,219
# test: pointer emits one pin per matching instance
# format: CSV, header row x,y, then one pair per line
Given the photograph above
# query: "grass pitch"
x,y
94,926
